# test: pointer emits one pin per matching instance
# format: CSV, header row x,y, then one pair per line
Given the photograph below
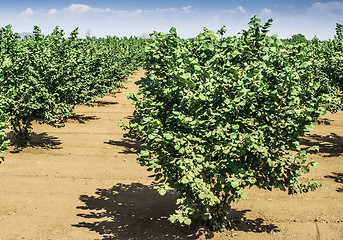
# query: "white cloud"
x,y
329,9
186,9
52,11
241,9
79,8
329,6
317,19
139,11
266,11
26,12
161,10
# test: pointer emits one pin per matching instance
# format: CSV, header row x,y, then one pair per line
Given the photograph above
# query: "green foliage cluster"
x,y
216,115
326,58
43,77
3,142
339,31
299,38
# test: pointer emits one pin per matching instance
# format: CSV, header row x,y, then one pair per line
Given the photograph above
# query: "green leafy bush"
x,y
299,38
26,83
216,115
326,58
42,77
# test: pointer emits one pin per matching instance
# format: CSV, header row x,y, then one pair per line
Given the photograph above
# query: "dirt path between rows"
x,y
82,182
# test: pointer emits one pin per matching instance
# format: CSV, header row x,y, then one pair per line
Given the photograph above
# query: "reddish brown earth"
x,y
82,182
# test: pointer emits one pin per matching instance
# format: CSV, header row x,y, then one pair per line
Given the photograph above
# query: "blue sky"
x,y
134,17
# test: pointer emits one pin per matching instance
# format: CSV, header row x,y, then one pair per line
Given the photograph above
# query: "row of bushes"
x,y
214,115
43,77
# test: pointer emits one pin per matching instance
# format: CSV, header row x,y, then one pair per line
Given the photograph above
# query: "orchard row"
x,y
43,77
213,116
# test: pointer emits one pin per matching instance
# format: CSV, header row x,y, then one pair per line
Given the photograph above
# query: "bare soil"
x,y
82,182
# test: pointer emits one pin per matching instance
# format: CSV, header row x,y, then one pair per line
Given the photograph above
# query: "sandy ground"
x,y
82,182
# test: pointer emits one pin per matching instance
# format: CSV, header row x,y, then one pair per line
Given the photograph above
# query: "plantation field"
x,y
83,182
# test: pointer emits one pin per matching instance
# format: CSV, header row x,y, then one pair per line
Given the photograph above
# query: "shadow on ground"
x,y
41,140
240,223
137,211
338,178
130,117
81,118
324,121
101,103
130,146
330,145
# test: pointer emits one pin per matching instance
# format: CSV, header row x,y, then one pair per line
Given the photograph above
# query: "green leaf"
x,y
305,169
195,61
162,191
252,180
202,97
314,164
151,136
197,68
185,76
7,62
173,219
184,180
250,74
173,31
144,153
206,216
234,184
309,128
313,148
202,195
266,57
244,196
191,84
235,126
187,221
168,136
273,49
301,56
